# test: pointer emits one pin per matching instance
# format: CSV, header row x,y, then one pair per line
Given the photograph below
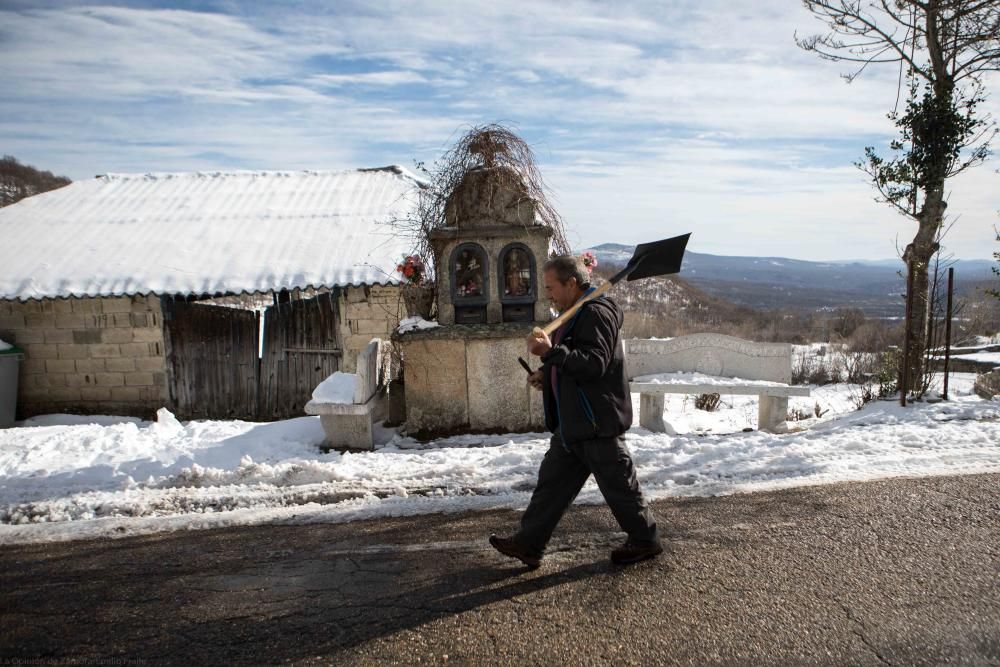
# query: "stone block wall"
x,y
369,311
100,355
462,379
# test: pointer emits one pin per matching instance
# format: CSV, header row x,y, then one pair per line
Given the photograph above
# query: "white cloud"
x,y
697,114
387,78
105,51
736,209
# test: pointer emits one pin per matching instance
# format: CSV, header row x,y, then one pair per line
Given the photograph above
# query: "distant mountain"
x,y
967,264
877,287
666,305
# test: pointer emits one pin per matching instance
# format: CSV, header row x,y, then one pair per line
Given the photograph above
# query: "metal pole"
x,y
947,330
905,384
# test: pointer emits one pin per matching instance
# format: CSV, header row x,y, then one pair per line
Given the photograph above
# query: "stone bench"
x,y
351,425
764,369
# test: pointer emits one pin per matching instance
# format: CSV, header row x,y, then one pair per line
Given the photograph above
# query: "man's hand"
x,y
536,379
539,346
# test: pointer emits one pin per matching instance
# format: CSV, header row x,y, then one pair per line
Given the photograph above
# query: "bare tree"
x,y
943,49
492,147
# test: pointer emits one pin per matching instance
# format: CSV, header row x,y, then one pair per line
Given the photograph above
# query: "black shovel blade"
x,y
658,258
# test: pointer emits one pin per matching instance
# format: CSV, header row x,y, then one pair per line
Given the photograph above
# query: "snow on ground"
x,y
980,357
811,357
67,477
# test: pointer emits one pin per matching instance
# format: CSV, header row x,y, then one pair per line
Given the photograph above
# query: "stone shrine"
x,y
464,375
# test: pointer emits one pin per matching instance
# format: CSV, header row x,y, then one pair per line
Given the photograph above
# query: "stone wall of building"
x,y
106,355
101,355
368,311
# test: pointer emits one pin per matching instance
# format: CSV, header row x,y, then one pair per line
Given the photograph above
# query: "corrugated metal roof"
x,y
195,233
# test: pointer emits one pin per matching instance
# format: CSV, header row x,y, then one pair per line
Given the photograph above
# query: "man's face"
x,y
562,295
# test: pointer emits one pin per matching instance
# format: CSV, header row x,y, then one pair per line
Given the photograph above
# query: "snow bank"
x,y
980,357
338,388
63,479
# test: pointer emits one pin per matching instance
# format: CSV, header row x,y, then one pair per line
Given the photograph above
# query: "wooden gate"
x,y
212,360
301,349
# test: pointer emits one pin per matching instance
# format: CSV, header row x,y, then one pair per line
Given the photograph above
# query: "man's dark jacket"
x,y
593,396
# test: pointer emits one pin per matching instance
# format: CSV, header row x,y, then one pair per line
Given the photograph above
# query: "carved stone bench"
x,y
350,424
764,369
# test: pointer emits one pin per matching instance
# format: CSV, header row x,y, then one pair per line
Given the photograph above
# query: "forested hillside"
x,y
18,181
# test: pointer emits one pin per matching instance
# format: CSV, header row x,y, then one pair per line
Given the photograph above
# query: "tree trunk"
x,y
918,257
931,216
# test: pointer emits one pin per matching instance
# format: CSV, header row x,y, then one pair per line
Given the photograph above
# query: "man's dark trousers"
x,y
561,476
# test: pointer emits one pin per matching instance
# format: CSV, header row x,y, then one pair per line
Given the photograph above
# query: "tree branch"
x,y
845,20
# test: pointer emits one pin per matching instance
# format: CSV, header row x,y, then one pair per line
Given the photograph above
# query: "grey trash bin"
x,y
10,362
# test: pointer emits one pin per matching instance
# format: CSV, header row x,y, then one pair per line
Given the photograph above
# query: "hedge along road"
x,y
891,572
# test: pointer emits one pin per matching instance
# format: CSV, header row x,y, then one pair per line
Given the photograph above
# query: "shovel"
x,y
658,258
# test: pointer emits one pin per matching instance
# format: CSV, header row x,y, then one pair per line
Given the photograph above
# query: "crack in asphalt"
x,y
861,634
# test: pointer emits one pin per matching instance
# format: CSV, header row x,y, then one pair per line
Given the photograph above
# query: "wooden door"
x,y
302,348
212,360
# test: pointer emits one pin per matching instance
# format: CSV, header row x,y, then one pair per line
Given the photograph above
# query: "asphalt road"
x,y
896,572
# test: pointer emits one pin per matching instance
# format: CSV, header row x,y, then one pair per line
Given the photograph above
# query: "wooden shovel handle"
x,y
571,311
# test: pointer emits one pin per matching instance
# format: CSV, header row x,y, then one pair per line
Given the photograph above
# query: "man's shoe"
x,y
633,552
508,547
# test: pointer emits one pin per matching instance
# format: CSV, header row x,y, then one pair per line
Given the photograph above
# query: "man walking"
x,y
588,409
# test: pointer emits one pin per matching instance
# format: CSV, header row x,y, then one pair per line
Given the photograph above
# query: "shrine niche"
x,y
468,270
518,283
490,252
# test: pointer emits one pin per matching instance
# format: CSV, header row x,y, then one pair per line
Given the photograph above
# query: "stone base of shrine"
x,y
466,378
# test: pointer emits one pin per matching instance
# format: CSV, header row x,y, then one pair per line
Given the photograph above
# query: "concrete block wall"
x,y
92,355
367,312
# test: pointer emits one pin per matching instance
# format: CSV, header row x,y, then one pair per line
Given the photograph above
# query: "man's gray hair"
x,y
569,266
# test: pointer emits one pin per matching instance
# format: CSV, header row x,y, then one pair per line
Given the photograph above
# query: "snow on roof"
x,y
205,232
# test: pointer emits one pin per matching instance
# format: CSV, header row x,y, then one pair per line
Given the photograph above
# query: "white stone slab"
x,y
711,354
492,370
316,408
745,389
368,371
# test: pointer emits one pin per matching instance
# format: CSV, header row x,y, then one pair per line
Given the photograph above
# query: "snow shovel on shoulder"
x,y
658,258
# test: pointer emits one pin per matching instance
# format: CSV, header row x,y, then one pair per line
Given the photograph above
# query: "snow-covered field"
x,y
64,477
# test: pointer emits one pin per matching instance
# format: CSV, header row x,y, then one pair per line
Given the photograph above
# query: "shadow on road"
x,y
261,594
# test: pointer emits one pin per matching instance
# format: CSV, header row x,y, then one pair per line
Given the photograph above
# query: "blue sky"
x,y
648,119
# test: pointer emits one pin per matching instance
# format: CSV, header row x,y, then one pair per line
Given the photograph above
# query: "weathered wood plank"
x,y
301,348
212,357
